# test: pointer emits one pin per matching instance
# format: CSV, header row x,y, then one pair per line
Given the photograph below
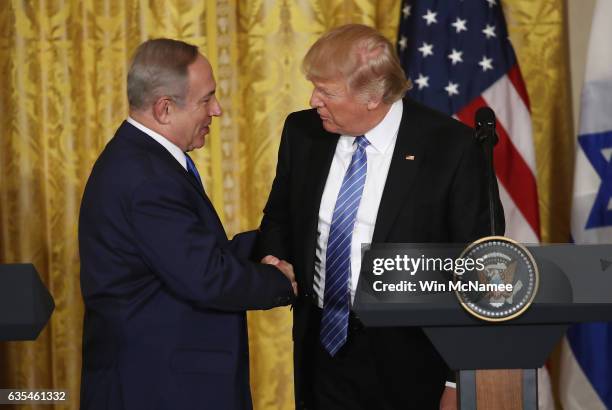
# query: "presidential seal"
x,y
507,285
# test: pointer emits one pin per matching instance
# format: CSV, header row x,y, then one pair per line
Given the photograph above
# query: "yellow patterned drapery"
x,y
538,31
62,70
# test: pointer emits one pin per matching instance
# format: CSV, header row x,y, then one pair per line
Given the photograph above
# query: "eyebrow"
x,y
330,90
210,94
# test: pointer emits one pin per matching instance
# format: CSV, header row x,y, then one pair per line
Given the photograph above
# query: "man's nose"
x,y
315,101
216,109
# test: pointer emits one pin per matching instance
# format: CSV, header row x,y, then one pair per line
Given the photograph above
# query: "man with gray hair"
x,y
366,165
165,291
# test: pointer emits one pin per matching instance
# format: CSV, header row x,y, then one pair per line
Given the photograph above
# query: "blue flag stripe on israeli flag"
x,y
586,377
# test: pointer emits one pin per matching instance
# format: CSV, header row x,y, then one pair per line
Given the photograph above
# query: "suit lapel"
x,y
171,161
194,183
319,163
152,146
407,157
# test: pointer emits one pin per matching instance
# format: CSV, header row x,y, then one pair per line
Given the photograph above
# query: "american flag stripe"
x,y
515,175
514,116
432,36
515,156
516,78
520,228
518,180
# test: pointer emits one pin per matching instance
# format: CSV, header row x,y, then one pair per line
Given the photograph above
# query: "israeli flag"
x,y
586,363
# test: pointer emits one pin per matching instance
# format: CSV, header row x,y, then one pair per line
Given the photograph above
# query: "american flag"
x,y
459,58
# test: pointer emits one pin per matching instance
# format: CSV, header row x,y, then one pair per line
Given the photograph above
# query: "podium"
x,y
575,286
25,303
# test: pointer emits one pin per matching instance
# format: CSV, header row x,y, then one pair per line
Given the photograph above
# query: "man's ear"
x,y
374,102
162,110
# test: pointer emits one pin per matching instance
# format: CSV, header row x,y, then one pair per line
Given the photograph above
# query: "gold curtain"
x,y
62,68
538,30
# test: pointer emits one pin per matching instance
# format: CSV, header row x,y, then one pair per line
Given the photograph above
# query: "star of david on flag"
x,y
586,354
598,150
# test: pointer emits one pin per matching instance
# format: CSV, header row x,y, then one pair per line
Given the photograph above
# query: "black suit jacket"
x,y
438,196
164,290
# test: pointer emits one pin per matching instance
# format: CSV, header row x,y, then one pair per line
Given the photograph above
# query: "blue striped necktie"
x,y
336,297
191,168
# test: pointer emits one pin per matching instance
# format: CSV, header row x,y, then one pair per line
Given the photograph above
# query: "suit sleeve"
x,y
242,243
274,232
469,199
193,260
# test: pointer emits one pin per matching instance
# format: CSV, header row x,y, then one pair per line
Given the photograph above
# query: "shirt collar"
x,y
176,152
384,133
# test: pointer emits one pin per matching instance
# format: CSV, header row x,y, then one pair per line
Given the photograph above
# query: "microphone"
x,y
485,125
485,134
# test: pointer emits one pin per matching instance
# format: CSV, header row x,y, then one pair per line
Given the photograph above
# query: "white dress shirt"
x,y
176,152
380,151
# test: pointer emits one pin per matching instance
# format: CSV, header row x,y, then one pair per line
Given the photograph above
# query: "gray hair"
x,y
159,68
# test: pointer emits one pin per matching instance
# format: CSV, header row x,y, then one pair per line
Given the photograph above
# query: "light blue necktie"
x,y
336,298
191,168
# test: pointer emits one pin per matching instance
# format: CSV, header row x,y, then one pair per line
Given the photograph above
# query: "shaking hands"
x,y
285,267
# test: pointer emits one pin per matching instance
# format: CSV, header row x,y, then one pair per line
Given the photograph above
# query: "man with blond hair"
x,y
366,165
165,291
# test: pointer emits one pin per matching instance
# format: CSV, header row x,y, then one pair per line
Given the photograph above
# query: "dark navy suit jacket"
x,y
165,291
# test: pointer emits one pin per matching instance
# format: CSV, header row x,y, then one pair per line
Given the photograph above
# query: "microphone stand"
x,y
486,135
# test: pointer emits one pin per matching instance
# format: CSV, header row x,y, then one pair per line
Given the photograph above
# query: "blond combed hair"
x,y
363,57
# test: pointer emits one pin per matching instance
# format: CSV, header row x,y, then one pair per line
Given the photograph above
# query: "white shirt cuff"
x,y
451,385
